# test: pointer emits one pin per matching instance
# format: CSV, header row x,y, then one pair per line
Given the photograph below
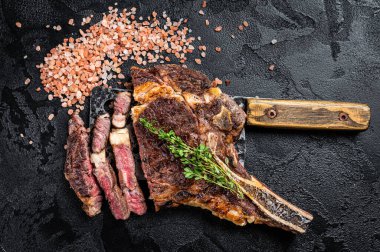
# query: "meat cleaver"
x,y
305,114
269,113
272,113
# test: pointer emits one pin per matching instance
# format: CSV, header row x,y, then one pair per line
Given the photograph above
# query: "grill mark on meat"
x,y
167,104
125,163
104,172
78,168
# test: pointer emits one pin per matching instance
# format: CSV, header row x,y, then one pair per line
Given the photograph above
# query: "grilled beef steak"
x,y
124,160
78,168
187,102
104,172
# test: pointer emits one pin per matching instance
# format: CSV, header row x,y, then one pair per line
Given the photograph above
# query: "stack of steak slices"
x,y
187,102
79,170
86,178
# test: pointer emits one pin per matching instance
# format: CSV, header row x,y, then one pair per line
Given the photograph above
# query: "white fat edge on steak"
x,y
120,136
98,158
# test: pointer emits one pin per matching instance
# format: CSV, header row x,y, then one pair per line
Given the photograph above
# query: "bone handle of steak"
x,y
125,164
285,214
301,114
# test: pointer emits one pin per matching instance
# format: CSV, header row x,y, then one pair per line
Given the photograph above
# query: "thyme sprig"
x,y
199,162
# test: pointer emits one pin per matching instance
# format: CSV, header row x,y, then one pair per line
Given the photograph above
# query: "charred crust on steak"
x,y
164,173
185,101
177,77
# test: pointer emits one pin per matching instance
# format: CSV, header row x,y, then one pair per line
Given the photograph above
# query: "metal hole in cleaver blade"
x,y
101,102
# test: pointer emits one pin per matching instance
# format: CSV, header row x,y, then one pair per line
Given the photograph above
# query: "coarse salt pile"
x,y
72,69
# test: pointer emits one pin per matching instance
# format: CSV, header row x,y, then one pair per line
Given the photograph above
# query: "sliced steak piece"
x,y
121,107
125,164
78,168
104,172
187,102
122,149
100,133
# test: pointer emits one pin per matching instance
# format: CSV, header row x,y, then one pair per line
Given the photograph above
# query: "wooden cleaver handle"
x,y
301,114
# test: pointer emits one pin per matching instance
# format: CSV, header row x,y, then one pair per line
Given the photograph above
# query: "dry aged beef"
x,y
104,172
122,149
78,168
187,102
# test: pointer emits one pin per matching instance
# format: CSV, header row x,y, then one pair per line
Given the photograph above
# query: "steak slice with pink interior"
x,y
104,172
122,149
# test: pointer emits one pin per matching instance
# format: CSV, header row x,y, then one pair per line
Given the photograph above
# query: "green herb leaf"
x,y
199,162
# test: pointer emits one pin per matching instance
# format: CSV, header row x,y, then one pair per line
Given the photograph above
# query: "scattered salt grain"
x,y
274,41
27,81
207,22
50,117
38,48
198,61
18,25
202,48
30,142
22,135
201,12
26,56
203,54
218,49
95,57
271,67
71,22
245,23
218,28
204,4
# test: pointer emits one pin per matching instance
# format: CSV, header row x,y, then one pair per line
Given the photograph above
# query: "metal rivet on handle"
x,y
343,116
271,113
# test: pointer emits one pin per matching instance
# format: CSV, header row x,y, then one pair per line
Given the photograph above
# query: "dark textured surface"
x,y
326,50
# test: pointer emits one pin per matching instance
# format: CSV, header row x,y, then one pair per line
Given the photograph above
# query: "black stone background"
x,y
326,50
